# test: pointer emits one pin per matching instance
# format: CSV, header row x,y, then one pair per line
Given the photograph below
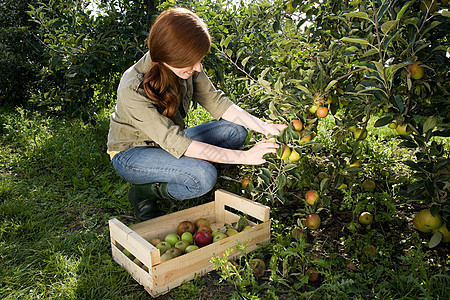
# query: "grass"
x,y
58,190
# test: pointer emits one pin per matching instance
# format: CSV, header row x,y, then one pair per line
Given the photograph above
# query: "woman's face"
x,y
187,72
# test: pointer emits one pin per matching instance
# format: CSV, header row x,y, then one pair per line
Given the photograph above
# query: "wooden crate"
x,y
162,277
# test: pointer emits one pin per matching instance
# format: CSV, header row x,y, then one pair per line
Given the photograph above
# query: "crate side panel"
x,y
134,243
183,268
161,226
251,208
140,275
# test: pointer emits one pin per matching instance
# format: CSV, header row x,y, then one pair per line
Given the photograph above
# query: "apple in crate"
x,y
172,239
203,238
202,222
182,245
187,236
185,226
219,237
163,247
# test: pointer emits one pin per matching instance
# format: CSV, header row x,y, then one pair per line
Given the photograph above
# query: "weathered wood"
x,y
162,277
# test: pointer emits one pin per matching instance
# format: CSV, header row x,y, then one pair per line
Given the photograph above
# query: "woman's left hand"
x,y
273,129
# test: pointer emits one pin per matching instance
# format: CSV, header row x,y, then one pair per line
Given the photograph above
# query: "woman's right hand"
x,y
254,156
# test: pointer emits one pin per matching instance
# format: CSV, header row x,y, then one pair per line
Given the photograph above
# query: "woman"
x,y
147,142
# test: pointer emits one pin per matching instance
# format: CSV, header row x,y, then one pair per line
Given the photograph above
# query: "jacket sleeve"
x,y
212,99
144,115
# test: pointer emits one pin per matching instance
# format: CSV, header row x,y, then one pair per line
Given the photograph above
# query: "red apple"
x,y
244,182
258,266
311,196
313,275
322,112
297,124
185,226
203,238
297,233
155,241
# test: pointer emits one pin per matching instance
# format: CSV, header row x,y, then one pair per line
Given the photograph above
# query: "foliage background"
x,y
62,62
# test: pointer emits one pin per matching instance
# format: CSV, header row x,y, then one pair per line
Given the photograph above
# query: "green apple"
x,y
427,220
182,245
305,139
163,247
402,129
313,109
191,248
188,237
216,232
219,237
285,152
172,239
360,133
392,125
294,156
127,253
231,232
247,227
366,218
369,185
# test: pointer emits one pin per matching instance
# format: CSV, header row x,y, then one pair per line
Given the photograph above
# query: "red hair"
x,y
180,39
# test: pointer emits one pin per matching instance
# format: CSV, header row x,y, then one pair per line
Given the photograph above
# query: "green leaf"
x,y
281,181
387,26
402,11
370,52
289,167
330,85
357,14
429,124
383,121
354,40
245,60
435,239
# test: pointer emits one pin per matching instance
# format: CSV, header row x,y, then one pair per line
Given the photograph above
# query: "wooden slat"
x,y
251,208
139,274
134,243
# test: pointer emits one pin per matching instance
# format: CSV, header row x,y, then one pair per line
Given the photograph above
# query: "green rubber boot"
x,y
144,199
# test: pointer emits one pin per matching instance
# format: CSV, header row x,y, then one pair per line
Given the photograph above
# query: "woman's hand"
x,y
254,156
273,129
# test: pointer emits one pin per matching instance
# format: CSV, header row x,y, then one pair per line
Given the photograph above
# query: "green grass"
x,y
58,190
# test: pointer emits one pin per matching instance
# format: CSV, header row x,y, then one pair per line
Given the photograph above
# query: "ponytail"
x,y
161,85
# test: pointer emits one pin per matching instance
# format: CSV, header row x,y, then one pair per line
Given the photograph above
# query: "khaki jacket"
x,y
136,120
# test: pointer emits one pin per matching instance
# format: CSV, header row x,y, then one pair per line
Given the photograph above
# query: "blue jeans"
x,y
186,177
